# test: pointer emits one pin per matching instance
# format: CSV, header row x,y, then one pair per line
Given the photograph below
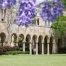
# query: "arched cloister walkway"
x,y
59,44
40,39
51,45
13,39
45,44
20,40
34,44
2,38
27,44
34,41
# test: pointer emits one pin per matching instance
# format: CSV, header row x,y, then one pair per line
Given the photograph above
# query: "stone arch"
x,y
20,40
21,37
45,44
28,39
2,37
14,38
34,40
40,39
51,45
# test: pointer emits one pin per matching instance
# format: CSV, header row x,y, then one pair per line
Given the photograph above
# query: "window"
x,y
34,21
38,21
3,14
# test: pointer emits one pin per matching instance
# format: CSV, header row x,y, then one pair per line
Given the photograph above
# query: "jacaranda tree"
x,y
4,4
27,8
25,12
51,10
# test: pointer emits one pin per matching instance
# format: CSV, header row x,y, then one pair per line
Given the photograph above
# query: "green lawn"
x,y
33,60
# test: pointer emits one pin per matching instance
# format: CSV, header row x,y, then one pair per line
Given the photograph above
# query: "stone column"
x,y
16,44
37,48
17,40
0,41
24,46
54,48
9,40
48,47
30,46
42,48
12,42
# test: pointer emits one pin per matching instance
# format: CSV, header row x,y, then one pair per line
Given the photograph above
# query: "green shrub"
x,y
14,52
1,51
11,50
7,48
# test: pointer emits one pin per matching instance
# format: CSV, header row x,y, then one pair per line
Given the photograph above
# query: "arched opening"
x,y
40,44
45,44
2,38
51,44
20,40
14,38
34,40
28,37
59,44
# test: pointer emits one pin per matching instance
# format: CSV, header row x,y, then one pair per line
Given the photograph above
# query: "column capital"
x,y
53,41
42,43
24,41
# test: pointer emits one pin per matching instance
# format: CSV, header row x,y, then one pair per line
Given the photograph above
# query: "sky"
x,y
39,1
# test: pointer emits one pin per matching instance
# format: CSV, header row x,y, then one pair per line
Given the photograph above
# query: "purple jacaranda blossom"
x,y
4,4
25,12
50,11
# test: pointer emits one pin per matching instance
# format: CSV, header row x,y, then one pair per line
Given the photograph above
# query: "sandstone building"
x,y
37,37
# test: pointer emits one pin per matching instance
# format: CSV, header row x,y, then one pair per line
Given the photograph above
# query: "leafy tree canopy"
x,y
59,25
64,2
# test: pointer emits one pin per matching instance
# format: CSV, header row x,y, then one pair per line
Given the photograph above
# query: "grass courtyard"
x,y
33,60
